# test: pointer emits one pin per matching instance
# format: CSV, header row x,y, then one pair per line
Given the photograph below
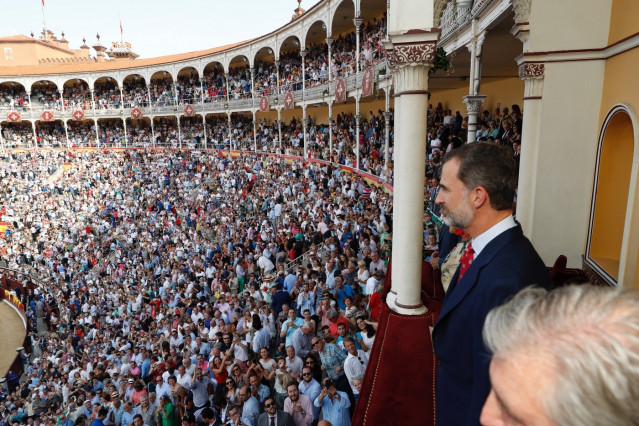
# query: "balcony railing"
x,y
314,94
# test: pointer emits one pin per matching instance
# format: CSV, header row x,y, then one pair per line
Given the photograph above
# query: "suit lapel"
x,y
469,280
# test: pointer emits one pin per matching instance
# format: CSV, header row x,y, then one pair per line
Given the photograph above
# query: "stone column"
x,y
228,114
93,101
254,133
152,132
330,131
533,75
303,55
35,135
358,118
97,133
329,43
279,127
277,70
358,25
253,85
177,118
126,139
66,132
304,128
411,56
387,117
473,108
206,144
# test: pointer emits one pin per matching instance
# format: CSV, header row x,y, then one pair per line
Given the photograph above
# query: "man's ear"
x,y
479,197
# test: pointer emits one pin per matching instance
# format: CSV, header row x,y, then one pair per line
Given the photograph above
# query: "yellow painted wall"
x,y
569,24
620,82
612,193
507,91
623,20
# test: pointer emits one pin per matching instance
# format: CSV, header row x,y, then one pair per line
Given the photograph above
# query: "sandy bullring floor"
x,y
12,335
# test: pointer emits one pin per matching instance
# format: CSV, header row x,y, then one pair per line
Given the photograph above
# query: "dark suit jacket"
x,y
283,419
506,265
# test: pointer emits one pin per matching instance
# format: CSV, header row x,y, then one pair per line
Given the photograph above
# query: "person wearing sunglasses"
x,y
272,416
310,387
355,364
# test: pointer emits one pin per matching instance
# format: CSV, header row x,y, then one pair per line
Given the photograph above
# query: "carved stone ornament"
x,y
408,54
474,103
522,10
532,70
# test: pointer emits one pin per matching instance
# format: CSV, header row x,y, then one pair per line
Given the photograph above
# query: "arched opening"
x,y
76,94
192,132
239,78
610,195
162,89
166,132
81,133
106,93
134,91
265,72
316,60
217,127
13,97
45,95
242,131
50,134
138,132
290,65
214,83
188,86
111,131
343,34
17,135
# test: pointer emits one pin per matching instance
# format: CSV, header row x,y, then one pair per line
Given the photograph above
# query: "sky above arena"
x,y
153,27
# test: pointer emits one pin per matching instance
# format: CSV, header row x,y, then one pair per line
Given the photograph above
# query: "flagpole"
x,y
121,37
44,23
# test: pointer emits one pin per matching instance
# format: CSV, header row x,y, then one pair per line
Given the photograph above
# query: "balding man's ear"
x,y
479,197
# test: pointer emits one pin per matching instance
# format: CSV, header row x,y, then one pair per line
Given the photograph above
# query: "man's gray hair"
x,y
331,313
589,336
306,326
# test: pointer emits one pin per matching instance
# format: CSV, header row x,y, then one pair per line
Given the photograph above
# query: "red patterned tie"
x,y
466,260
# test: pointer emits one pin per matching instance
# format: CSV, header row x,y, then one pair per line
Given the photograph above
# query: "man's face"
x,y
307,374
270,406
350,348
290,352
516,397
291,314
255,382
341,329
453,197
243,395
293,393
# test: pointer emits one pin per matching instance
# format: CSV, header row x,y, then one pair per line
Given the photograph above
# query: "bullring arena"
x,y
189,237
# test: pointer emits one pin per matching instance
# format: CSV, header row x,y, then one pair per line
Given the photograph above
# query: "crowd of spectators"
x,y
107,95
135,93
111,132
17,135
81,134
13,97
170,295
46,95
76,96
51,135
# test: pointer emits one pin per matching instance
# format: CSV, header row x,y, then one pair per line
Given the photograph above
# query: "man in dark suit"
x,y
272,416
477,191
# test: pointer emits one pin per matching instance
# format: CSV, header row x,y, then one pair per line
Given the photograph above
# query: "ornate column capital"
x,y
409,59
303,53
358,23
533,75
474,103
329,41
